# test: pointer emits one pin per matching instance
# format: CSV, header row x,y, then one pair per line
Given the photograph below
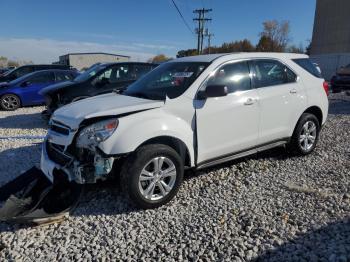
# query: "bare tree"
x,y
277,33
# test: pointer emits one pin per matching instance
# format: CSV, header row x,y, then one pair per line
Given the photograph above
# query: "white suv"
x,y
191,112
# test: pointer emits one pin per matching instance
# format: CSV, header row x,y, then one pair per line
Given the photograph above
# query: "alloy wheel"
x,y
308,136
157,178
10,102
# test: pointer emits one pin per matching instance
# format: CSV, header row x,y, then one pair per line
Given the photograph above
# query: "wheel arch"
x,y
175,143
316,111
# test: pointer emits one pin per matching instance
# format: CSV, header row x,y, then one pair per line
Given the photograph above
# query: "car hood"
x,y
110,104
55,87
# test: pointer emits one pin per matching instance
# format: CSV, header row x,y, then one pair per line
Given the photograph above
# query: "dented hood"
x,y
110,104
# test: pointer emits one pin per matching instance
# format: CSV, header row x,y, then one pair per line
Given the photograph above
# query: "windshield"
x,y
89,73
171,79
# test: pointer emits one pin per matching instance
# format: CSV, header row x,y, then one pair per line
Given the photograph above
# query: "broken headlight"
x,y
97,133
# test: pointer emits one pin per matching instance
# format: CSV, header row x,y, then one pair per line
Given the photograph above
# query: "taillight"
x,y
326,87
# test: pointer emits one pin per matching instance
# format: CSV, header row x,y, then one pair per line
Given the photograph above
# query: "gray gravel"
x,y
268,207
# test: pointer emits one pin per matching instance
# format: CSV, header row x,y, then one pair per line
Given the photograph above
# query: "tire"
x,y
143,184
10,102
305,136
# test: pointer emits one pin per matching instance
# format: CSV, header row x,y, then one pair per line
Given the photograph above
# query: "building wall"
x,y
80,61
332,27
330,46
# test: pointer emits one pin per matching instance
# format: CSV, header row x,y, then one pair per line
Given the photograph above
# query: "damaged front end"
x,y
70,158
77,153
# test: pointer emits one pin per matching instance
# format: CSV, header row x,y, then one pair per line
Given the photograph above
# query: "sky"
x,y
42,30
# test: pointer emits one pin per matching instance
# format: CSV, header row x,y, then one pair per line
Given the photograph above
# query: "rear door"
x,y
227,125
34,84
281,98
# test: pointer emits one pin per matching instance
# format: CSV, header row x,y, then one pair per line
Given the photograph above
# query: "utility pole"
x,y
209,35
201,24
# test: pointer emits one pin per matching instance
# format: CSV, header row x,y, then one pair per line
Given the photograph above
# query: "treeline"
x,y
275,37
5,62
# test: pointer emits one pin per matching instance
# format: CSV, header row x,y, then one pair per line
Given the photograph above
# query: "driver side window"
x,y
235,76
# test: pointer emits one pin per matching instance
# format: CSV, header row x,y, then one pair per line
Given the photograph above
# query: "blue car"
x,y
24,91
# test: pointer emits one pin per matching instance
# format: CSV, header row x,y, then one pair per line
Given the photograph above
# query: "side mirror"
x,y
213,91
25,84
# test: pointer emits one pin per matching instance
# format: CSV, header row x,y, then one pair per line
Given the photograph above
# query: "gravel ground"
x,y
268,207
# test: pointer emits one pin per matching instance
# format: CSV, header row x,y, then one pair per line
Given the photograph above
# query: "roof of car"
x,y
212,57
136,63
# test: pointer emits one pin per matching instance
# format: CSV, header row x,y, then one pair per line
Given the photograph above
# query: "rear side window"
x,y
235,76
271,73
308,66
42,78
63,76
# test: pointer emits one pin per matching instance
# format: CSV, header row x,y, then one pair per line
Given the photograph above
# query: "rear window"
x,y
308,66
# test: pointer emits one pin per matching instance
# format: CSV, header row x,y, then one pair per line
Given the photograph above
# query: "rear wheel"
x,y
10,102
305,135
152,175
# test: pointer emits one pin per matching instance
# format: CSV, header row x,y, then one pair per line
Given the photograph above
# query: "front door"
x,y
33,86
227,125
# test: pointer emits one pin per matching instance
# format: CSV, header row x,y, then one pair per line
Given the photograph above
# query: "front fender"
x,y
136,129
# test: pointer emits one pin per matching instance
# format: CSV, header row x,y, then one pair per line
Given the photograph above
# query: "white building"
x,y
84,60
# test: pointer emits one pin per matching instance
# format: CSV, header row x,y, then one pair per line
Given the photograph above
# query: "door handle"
x,y
249,102
293,91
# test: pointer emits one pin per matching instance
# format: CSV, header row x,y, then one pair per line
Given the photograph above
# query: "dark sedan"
x,y
98,79
341,81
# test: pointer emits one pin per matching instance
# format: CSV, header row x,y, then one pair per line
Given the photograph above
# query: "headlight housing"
x,y
97,133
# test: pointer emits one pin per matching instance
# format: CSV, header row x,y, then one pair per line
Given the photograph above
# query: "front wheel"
x,y
152,175
306,134
10,102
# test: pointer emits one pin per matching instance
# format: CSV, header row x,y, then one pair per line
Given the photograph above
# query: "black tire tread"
x,y
129,165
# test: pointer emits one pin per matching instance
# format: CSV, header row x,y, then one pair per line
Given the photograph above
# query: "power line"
x,y
183,18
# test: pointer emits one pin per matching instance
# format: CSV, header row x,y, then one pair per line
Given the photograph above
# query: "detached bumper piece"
x,y
32,199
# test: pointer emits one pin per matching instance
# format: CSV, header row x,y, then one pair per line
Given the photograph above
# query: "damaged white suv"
x,y
191,112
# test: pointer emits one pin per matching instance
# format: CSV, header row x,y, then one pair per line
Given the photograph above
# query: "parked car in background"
x,y
341,81
24,91
98,79
3,71
27,69
192,112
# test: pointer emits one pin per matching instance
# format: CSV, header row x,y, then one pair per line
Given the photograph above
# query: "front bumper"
x,y
76,171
